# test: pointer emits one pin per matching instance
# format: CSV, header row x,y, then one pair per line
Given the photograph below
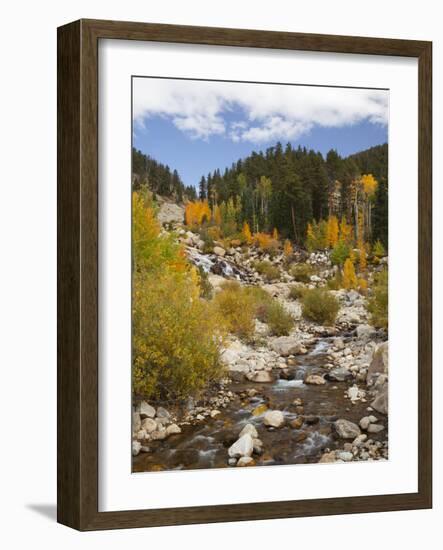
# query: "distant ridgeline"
x,y
286,189
159,178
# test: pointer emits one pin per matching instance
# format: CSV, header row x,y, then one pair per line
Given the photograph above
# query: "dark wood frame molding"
x,y
77,456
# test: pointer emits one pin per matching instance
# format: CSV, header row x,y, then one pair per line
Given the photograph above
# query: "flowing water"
x,y
206,445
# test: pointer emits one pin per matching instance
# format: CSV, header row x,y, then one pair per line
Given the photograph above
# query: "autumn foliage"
x,y
196,213
349,276
177,335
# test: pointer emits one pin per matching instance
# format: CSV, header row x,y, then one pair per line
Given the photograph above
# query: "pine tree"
x,y
380,214
202,194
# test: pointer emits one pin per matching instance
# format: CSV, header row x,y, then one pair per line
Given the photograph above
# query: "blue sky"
x,y
196,127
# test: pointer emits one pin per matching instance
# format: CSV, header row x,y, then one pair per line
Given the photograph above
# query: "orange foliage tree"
x,y
197,212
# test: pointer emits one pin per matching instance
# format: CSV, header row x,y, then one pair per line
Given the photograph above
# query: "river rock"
x,y
365,331
245,461
359,440
249,429
380,403
136,446
149,424
158,435
345,455
219,251
375,428
379,363
262,376
163,413
286,345
297,423
328,457
141,434
173,429
346,429
244,446
338,374
354,393
145,410
364,423
275,419
258,446
315,380
338,343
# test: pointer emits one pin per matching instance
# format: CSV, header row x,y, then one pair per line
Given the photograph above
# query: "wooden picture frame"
x,y
78,273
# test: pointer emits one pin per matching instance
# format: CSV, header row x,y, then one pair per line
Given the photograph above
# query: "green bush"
x,y
320,306
336,283
378,303
340,253
301,272
268,271
280,322
296,292
208,240
237,309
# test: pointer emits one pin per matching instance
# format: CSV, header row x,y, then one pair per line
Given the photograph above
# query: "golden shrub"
x,y
177,336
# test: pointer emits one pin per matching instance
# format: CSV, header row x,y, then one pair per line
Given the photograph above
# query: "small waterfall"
x,y
211,263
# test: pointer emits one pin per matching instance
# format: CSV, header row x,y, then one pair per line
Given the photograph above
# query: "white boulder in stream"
x,y
249,429
244,446
145,410
315,380
346,429
262,376
286,345
274,419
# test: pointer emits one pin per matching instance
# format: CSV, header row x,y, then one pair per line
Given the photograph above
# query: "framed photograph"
x,y
244,274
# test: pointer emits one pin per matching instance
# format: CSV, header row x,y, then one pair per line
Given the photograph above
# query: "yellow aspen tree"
x,y
349,276
369,184
287,249
332,231
275,234
247,233
189,214
345,231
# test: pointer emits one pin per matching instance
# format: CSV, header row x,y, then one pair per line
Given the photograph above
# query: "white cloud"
x,y
268,112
